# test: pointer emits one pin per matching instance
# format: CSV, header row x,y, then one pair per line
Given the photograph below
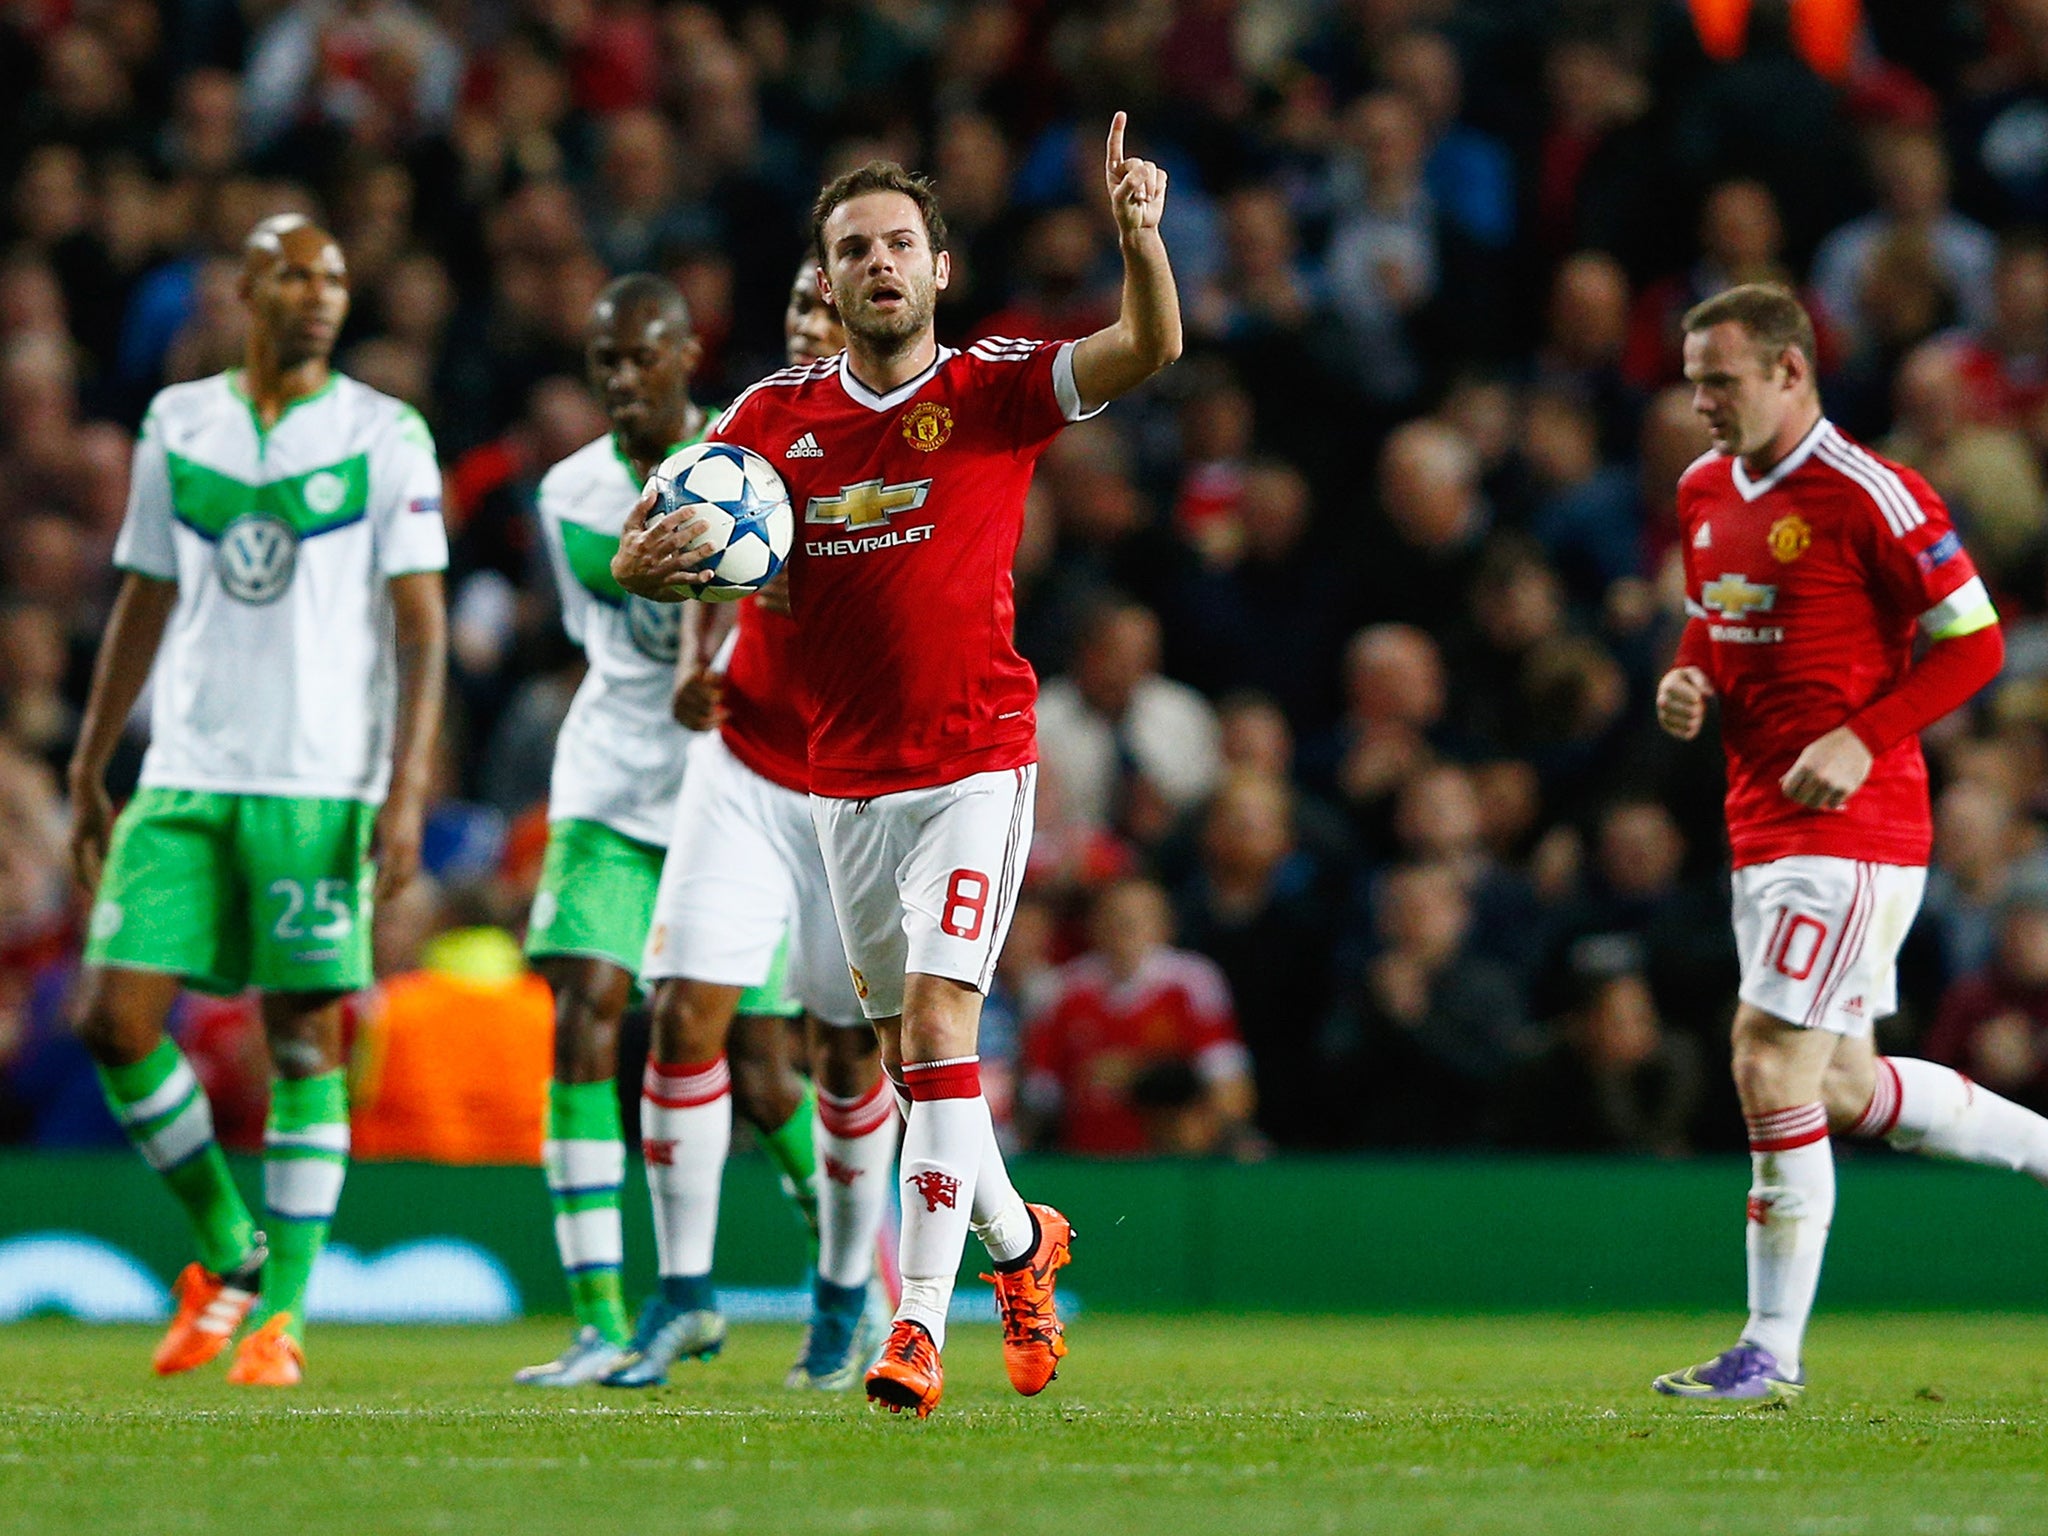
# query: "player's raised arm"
x,y
1146,335
134,632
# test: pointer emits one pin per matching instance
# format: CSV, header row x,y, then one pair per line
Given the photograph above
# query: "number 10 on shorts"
x,y
966,905
1795,944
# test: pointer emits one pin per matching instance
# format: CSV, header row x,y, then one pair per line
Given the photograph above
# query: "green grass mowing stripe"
x,y
1932,1423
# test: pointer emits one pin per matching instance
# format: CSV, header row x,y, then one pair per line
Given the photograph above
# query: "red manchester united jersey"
x,y
908,509
767,726
1810,583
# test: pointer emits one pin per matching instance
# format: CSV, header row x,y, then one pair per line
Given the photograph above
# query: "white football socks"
x,y
1791,1203
1919,1106
685,1133
944,1146
1000,1220
856,1142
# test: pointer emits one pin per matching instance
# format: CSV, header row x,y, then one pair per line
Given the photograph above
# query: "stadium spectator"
x,y
1910,169
1256,905
1135,1050
1614,1080
1993,1025
1427,1034
2006,359
1131,748
1987,473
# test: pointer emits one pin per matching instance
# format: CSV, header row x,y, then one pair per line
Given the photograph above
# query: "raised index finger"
x,y
1116,143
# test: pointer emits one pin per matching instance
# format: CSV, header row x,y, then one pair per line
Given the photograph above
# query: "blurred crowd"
x,y
1353,827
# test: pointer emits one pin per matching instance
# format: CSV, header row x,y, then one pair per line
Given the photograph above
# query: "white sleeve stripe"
x,y
1967,601
802,373
1902,513
1066,391
1693,610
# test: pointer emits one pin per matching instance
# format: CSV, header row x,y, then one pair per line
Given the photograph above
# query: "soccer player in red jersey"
x,y
743,870
908,463
1811,566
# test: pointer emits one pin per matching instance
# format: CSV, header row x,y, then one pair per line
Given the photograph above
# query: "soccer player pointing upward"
x,y
908,463
283,550
1811,566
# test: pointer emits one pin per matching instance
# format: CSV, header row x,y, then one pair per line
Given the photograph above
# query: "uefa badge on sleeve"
x,y
255,558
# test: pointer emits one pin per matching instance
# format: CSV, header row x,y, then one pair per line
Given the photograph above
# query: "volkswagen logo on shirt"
x,y
256,557
656,629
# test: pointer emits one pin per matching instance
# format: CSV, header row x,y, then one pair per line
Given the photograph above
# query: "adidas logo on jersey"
x,y
805,447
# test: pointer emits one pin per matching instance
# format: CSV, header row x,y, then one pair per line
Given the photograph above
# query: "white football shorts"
x,y
927,879
742,869
1819,938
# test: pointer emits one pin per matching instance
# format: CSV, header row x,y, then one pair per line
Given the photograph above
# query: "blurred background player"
x,y
1811,565
911,463
618,768
284,548
744,870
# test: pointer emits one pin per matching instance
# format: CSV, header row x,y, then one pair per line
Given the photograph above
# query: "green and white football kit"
x,y
618,769
245,856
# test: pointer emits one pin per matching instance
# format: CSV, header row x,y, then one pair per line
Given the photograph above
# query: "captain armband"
x,y
1963,612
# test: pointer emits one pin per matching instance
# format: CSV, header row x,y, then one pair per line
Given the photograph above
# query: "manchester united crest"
x,y
927,425
1789,537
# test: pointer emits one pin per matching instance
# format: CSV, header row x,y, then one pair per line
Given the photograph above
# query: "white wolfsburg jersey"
x,y
277,674
619,759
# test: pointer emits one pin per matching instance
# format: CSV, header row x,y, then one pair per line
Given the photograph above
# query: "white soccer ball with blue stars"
x,y
742,498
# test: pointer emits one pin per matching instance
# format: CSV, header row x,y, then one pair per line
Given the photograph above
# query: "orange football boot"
x,y
909,1374
269,1357
1034,1339
209,1312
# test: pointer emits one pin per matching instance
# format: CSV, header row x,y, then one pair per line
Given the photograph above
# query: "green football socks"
x,y
795,1155
161,1106
585,1159
305,1158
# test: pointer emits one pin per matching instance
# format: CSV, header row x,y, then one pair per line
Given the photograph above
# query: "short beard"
x,y
892,336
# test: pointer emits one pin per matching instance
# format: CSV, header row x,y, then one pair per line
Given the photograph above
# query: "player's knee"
x,y
849,1062
586,1035
106,1036
115,1030
1846,1093
690,1024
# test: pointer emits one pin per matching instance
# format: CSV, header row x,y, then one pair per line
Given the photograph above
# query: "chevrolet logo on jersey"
x,y
867,503
1735,597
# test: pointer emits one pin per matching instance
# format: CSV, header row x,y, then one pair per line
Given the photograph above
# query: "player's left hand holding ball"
x,y
654,561
1828,772
1137,188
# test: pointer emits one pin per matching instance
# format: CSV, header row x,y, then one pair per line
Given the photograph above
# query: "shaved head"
x,y
642,293
295,286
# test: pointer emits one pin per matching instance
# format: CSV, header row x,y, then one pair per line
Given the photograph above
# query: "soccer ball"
x,y
741,496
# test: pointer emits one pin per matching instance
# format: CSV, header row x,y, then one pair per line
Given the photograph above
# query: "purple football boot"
x,y
1746,1373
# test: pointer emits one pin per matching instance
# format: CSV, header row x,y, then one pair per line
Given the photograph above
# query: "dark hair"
x,y
877,176
1774,318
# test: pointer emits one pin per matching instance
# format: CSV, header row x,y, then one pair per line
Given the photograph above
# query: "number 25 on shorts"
x,y
966,905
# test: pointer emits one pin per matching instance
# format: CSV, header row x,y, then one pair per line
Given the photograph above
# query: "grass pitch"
x,y
1934,1425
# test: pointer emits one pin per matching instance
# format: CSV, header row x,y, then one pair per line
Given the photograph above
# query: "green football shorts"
x,y
596,899
596,895
233,891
